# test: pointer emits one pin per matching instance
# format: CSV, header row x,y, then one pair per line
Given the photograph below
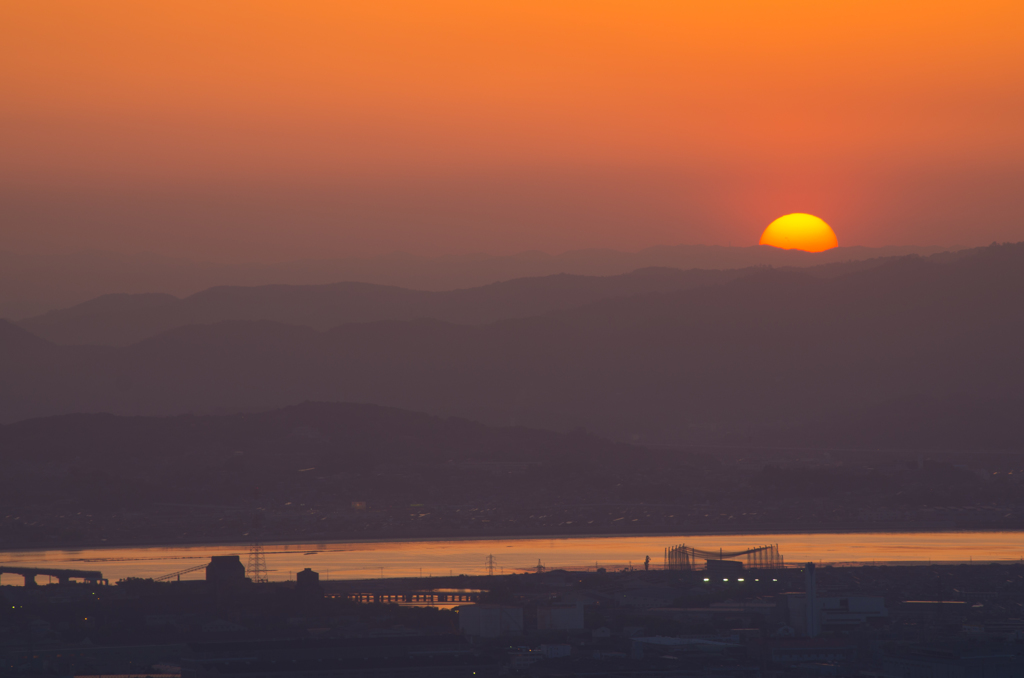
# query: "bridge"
x,y
62,576
683,557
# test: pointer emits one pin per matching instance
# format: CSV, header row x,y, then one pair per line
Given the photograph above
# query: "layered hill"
x,y
768,351
123,319
34,284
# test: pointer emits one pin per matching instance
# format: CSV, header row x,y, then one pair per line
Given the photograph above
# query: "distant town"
x,y
635,490
691,617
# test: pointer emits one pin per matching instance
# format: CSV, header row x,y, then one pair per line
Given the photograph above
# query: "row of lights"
x,y
707,579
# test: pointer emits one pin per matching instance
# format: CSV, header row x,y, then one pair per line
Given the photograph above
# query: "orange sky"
x,y
272,130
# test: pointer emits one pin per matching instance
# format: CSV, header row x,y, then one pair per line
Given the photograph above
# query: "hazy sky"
x,y
275,130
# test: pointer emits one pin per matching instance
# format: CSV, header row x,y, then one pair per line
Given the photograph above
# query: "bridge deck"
x,y
30,573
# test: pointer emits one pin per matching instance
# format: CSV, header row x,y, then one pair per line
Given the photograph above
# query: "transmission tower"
x,y
257,569
490,562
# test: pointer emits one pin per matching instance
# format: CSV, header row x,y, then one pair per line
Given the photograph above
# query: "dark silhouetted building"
x,y
724,568
225,570
307,584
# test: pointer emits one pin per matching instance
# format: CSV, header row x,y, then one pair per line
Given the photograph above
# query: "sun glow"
x,y
800,232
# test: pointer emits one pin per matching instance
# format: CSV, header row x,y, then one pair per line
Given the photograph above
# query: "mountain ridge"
x,y
32,284
773,348
120,320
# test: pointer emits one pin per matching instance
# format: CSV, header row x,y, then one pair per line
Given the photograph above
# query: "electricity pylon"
x,y
257,569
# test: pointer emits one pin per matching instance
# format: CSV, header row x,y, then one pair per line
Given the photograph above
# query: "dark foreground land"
x,y
333,471
890,621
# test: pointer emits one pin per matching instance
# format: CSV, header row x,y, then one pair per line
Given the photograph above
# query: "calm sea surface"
x,y
370,559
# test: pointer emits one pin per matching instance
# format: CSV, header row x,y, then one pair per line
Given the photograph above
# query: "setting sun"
x,y
800,232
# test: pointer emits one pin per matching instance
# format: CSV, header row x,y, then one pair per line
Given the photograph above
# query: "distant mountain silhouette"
x,y
34,284
767,351
920,422
123,319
